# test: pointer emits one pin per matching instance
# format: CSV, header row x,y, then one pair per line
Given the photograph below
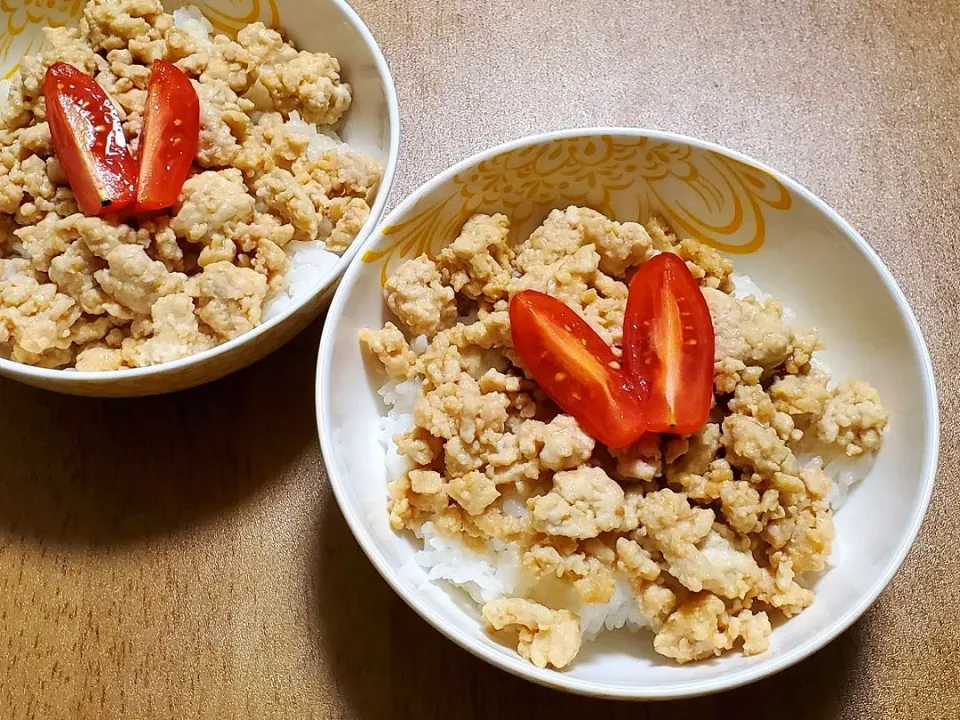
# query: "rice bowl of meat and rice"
x,y
679,564
288,171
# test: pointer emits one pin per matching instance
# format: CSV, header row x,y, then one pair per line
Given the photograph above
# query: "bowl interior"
x,y
370,126
789,242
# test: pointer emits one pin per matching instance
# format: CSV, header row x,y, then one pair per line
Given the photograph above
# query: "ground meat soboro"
x,y
102,293
712,532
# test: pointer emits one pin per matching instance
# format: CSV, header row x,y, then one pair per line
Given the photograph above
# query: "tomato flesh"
x,y
168,144
668,341
88,141
576,368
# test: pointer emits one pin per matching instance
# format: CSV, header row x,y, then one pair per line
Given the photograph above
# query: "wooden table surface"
x,y
183,557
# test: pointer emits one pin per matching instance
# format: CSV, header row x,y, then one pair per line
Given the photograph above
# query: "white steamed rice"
x,y
195,24
485,576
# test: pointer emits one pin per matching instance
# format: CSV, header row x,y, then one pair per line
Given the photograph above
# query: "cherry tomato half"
x,y
576,368
88,140
668,342
171,131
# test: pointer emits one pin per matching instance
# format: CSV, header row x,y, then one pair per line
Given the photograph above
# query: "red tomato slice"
x,y
668,341
576,368
168,144
89,141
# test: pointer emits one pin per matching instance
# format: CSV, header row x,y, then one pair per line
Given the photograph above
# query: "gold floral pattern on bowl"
x,y
702,193
20,23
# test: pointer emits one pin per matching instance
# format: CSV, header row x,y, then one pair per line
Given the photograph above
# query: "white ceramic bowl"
x,y
371,125
787,240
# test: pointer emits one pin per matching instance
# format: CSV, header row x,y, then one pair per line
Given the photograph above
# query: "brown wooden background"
x,y
182,557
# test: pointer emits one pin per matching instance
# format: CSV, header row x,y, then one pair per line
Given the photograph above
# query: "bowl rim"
x,y
557,679
67,376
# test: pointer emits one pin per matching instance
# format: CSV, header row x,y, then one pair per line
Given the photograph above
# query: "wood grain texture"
x,y
182,556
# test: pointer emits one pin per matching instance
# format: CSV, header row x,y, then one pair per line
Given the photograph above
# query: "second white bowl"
x,y
371,125
786,239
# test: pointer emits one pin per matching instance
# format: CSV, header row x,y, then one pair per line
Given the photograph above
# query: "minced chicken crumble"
x,y
710,531
103,293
